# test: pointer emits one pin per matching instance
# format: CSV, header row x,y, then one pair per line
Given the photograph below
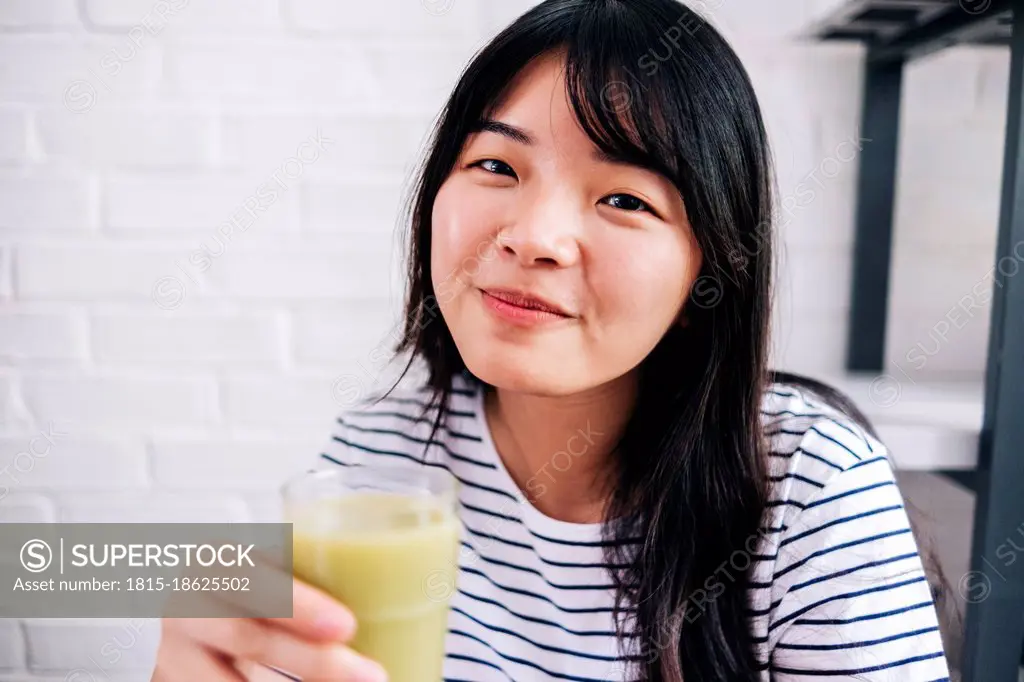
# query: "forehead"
x,y
536,100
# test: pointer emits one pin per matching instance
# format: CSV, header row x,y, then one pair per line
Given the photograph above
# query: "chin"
x,y
520,375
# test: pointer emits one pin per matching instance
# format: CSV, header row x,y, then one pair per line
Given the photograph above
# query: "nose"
x,y
546,232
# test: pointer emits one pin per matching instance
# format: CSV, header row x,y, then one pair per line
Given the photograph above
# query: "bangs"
x,y
619,108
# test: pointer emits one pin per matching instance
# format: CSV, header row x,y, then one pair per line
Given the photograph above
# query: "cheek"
x,y
645,281
460,226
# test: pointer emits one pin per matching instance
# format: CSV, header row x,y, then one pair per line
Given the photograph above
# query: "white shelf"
x,y
927,425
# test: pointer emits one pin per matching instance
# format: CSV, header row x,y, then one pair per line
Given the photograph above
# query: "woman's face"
x,y
607,243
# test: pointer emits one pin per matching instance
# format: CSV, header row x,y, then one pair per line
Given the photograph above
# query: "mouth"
x,y
526,302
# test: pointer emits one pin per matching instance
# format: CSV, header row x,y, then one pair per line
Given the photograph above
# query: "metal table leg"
x,y
876,185
995,587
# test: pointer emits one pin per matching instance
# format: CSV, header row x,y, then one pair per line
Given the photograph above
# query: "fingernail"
x,y
365,669
335,624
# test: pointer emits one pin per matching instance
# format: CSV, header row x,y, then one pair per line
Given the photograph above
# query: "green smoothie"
x,y
392,559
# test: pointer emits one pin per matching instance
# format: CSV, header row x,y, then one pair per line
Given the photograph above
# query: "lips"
x,y
529,301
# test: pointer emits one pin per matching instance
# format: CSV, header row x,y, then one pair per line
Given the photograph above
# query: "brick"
x,y
76,72
183,15
263,401
809,344
8,406
813,280
354,330
354,145
59,458
434,18
968,156
152,507
6,273
932,211
805,77
97,646
418,90
13,135
494,16
251,464
942,86
205,202
277,72
742,19
89,272
111,402
924,345
12,645
41,336
38,14
309,273
126,137
187,339
351,207
993,86
934,280
23,508
38,201
264,508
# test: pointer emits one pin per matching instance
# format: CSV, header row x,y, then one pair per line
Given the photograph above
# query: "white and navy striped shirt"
x,y
837,587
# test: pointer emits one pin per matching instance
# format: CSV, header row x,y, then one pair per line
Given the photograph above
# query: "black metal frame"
x,y
995,624
895,32
876,192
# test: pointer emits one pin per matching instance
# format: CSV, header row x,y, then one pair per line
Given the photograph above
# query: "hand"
x,y
309,645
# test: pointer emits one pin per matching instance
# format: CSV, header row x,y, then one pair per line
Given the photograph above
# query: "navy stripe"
x,y
796,477
541,621
546,647
826,417
554,541
855,645
480,661
409,401
854,569
836,522
541,597
858,671
870,616
526,569
421,441
855,491
808,453
530,664
405,455
835,548
847,595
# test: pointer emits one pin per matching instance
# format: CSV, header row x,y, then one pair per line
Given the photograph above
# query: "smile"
x,y
519,310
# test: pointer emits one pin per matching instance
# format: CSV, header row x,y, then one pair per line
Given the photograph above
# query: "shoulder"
x,y
813,447
844,574
824,467
398,424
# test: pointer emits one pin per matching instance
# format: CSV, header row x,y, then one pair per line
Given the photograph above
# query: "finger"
x,y
191,662
256,640
316,615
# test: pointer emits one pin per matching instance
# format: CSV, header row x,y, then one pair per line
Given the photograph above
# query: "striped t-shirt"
x,y
837,588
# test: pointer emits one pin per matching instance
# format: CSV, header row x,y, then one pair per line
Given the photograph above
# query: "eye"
x,y
494,166
627,202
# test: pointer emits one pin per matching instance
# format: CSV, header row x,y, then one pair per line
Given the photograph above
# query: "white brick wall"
x,y
134,132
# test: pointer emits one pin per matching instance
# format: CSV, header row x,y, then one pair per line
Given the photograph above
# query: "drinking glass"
x,y
384,541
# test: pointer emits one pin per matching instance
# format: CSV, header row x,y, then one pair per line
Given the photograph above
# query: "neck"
x,y
559,450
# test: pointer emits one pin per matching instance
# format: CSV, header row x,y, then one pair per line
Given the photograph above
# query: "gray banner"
x,y
174,570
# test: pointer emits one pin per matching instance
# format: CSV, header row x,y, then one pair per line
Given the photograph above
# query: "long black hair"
x,y
652,83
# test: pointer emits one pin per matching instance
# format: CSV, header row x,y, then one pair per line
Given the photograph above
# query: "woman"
x,y
590,294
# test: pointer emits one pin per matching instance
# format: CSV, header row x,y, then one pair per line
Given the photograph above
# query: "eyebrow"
x,y
521,136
